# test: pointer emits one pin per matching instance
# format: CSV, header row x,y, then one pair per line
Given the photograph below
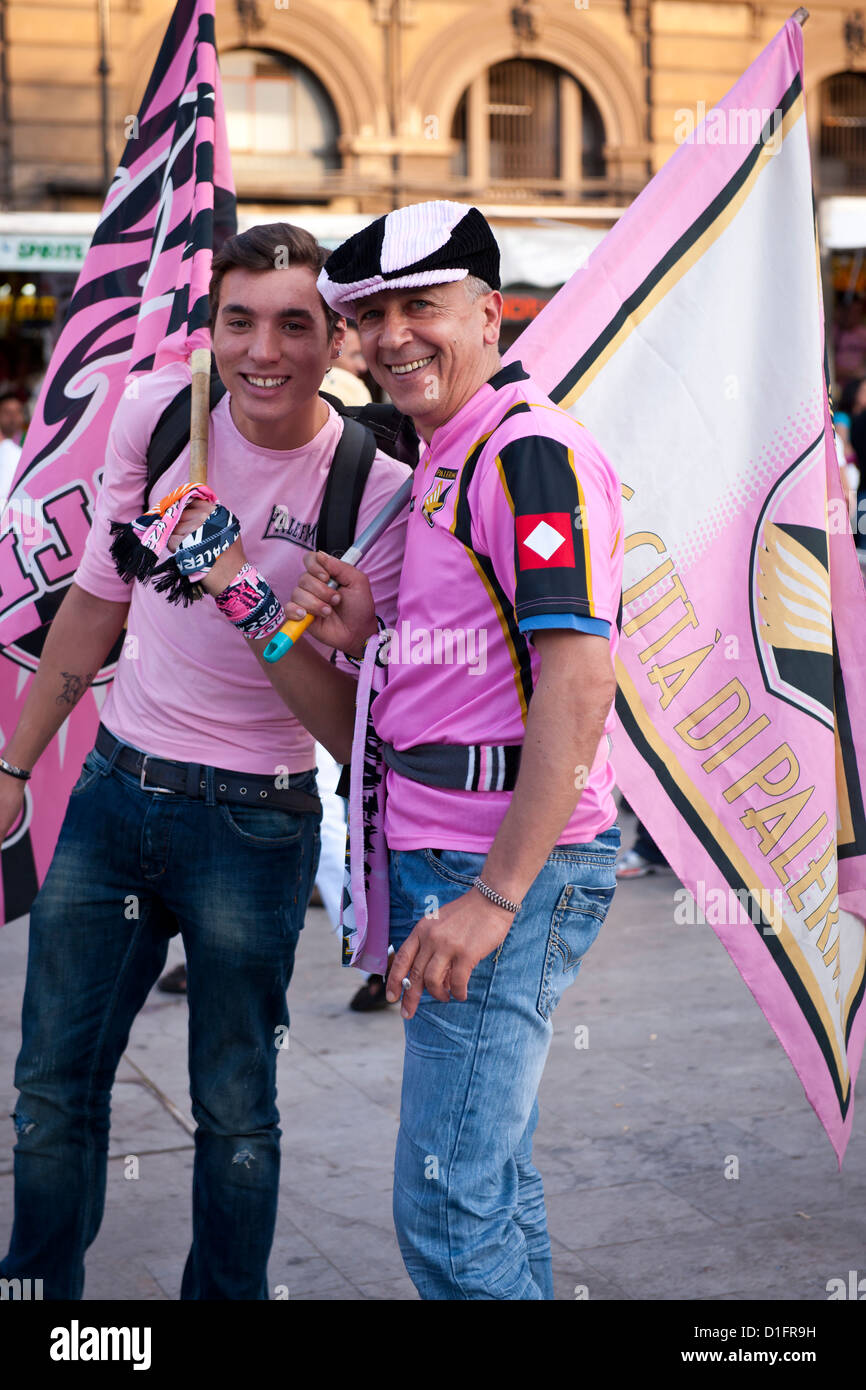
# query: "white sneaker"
x,y
633,865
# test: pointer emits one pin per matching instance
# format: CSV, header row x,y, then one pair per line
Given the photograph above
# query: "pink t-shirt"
x,y
187,686
521,528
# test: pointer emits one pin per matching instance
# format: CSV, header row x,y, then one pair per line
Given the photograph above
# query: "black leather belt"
x,y
189,779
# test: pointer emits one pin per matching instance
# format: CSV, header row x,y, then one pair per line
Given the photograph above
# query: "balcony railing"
x,y
282,184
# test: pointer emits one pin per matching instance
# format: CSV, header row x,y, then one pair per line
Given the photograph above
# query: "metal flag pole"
x,y
289,633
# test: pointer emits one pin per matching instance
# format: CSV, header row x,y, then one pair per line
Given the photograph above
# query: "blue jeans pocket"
x,y
93,765
263,827
575,924
270,827
458,867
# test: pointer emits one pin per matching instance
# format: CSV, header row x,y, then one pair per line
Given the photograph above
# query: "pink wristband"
x,y
251,605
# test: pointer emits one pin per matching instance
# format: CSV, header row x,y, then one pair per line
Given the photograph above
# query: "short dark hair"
x,y
271,246
11,396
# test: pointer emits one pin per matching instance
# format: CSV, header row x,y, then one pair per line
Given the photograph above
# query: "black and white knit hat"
x,y
425,244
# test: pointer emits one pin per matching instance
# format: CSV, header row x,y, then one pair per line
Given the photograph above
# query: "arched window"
x,y
282,125
843,132
530,126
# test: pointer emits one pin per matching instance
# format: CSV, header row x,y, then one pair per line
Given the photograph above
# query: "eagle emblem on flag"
x,y
791,608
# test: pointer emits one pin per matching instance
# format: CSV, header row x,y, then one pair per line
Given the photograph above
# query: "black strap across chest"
x,y
347,478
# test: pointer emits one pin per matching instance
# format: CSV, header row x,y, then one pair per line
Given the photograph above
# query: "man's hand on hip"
x,y
441,952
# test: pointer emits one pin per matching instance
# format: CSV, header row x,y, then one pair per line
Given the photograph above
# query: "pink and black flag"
x,y
692,345
141,300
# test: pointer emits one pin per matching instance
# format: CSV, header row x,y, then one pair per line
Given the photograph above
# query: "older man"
x,y
500,818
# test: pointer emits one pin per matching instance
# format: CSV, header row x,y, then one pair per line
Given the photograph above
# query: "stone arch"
x,y
307,33
479,40
834,64
826,56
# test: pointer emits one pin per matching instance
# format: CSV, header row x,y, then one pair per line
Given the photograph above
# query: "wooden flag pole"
x,y
199,415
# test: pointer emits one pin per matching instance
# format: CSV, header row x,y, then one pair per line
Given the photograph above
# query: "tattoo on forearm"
x,y
73,687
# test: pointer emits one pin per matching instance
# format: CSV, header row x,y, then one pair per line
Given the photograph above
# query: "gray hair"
x,y
475,288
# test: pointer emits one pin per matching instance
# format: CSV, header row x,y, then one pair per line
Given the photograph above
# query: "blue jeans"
x,y
131,868
468,1202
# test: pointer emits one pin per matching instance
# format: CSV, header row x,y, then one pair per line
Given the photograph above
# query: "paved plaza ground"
x,y
681,1082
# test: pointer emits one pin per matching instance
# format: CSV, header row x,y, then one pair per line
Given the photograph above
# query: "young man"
x,y
499,882
197,806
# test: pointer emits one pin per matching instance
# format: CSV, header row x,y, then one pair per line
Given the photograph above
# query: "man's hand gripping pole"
x,y
287,636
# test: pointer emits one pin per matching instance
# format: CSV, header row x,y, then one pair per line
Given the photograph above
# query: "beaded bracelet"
x,y
497,898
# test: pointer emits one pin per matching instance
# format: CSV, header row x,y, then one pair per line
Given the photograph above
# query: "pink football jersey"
x,y
515,524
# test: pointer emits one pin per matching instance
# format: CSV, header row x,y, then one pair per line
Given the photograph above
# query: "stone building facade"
x,y
355,105
549,114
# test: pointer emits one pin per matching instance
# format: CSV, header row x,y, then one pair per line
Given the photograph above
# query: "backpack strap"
x,y
171,432
350,468
394,432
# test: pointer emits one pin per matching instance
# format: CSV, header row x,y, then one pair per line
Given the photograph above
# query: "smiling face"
x,y
270,340
431,348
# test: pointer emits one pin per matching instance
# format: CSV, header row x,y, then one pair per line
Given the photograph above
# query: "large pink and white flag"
x,y
141,300
692,345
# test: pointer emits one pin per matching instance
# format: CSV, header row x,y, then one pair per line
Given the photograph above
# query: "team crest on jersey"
x,y
434,500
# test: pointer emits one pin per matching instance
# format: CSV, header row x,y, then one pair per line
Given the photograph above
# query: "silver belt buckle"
x,y
144,764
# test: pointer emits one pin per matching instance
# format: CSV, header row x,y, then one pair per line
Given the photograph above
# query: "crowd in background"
x,y
848,338
13,427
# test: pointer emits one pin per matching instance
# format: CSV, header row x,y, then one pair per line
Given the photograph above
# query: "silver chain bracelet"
x,y
497,898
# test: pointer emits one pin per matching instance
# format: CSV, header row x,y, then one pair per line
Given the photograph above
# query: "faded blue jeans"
x,y
131,866
468,1202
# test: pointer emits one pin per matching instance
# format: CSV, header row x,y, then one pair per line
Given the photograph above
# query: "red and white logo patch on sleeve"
x,y
544,540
